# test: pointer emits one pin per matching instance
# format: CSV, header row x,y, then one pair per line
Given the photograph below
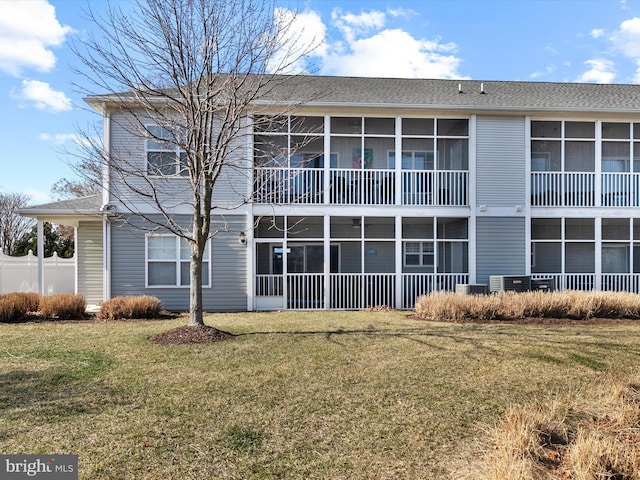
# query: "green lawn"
x,y
297,395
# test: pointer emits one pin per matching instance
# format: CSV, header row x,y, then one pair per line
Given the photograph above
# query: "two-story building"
x,y
382,190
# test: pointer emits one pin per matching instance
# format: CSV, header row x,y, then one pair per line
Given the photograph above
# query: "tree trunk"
x,y
195,288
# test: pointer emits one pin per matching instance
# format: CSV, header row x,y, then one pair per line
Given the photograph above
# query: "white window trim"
x,y
420,253
177,261
176,150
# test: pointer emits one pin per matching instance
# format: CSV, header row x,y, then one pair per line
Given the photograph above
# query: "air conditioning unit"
x,y
546,284
472,288
509,283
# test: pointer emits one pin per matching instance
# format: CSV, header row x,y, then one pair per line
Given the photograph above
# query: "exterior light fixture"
x,y
242,238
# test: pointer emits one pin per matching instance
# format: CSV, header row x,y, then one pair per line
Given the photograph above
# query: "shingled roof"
x,y
76,207
463,95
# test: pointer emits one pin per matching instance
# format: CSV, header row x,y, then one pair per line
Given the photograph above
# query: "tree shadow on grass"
x,y
55,391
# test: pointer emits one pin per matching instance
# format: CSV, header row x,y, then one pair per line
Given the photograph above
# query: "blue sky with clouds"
x,y
594,41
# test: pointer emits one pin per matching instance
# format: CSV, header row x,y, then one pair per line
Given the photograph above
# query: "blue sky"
x,y
595,41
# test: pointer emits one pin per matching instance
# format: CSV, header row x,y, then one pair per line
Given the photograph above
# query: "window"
x,y
168,262
412,160
164,157
418,254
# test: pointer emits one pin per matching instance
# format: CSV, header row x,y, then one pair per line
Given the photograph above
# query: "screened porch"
x,y
362,262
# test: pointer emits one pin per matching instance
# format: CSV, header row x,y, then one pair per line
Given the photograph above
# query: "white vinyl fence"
x,y
20,274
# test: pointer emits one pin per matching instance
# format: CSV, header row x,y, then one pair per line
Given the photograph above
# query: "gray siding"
x,y
128,147
90,255
229,269
500,247
500,161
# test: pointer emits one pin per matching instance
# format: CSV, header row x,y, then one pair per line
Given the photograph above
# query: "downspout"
x,y
106,224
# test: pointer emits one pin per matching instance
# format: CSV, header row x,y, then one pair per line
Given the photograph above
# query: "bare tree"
x,y
12,225
185,76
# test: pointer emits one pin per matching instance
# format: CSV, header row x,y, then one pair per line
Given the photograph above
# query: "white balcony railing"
x,y
354,291
620,189
360,187
435,188
282,186
557,189
415,285
570,281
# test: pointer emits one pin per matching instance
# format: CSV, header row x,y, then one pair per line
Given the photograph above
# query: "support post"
x,y
40,257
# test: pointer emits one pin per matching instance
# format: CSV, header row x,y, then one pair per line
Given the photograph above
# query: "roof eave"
x,y
467,108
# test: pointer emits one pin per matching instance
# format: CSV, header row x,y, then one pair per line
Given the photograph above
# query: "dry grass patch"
x,y
579,439
296,395
452,307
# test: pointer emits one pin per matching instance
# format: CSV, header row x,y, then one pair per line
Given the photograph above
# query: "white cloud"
x,y
547,71
42,96
62,138
300,33
401,12
393,53
362,46
596,33
37,196
352,25
600,71
627,38
28,30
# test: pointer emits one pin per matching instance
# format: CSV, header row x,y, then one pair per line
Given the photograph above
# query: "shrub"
x,y
24,301
453,307
143,306
8,311
63,306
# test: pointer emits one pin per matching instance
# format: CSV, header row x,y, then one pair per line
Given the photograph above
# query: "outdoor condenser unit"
x,y
472,288
513,283
546,284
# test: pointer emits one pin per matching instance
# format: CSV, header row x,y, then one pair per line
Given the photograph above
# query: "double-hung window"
x,y
418,254
168,259
164,156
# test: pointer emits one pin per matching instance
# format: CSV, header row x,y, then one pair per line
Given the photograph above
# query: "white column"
x,y
327,159
398,245
75,260
598,253
327,261
250,259
398,164
40,256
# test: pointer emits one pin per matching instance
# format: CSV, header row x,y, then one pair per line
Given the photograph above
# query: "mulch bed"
x,y
191,335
